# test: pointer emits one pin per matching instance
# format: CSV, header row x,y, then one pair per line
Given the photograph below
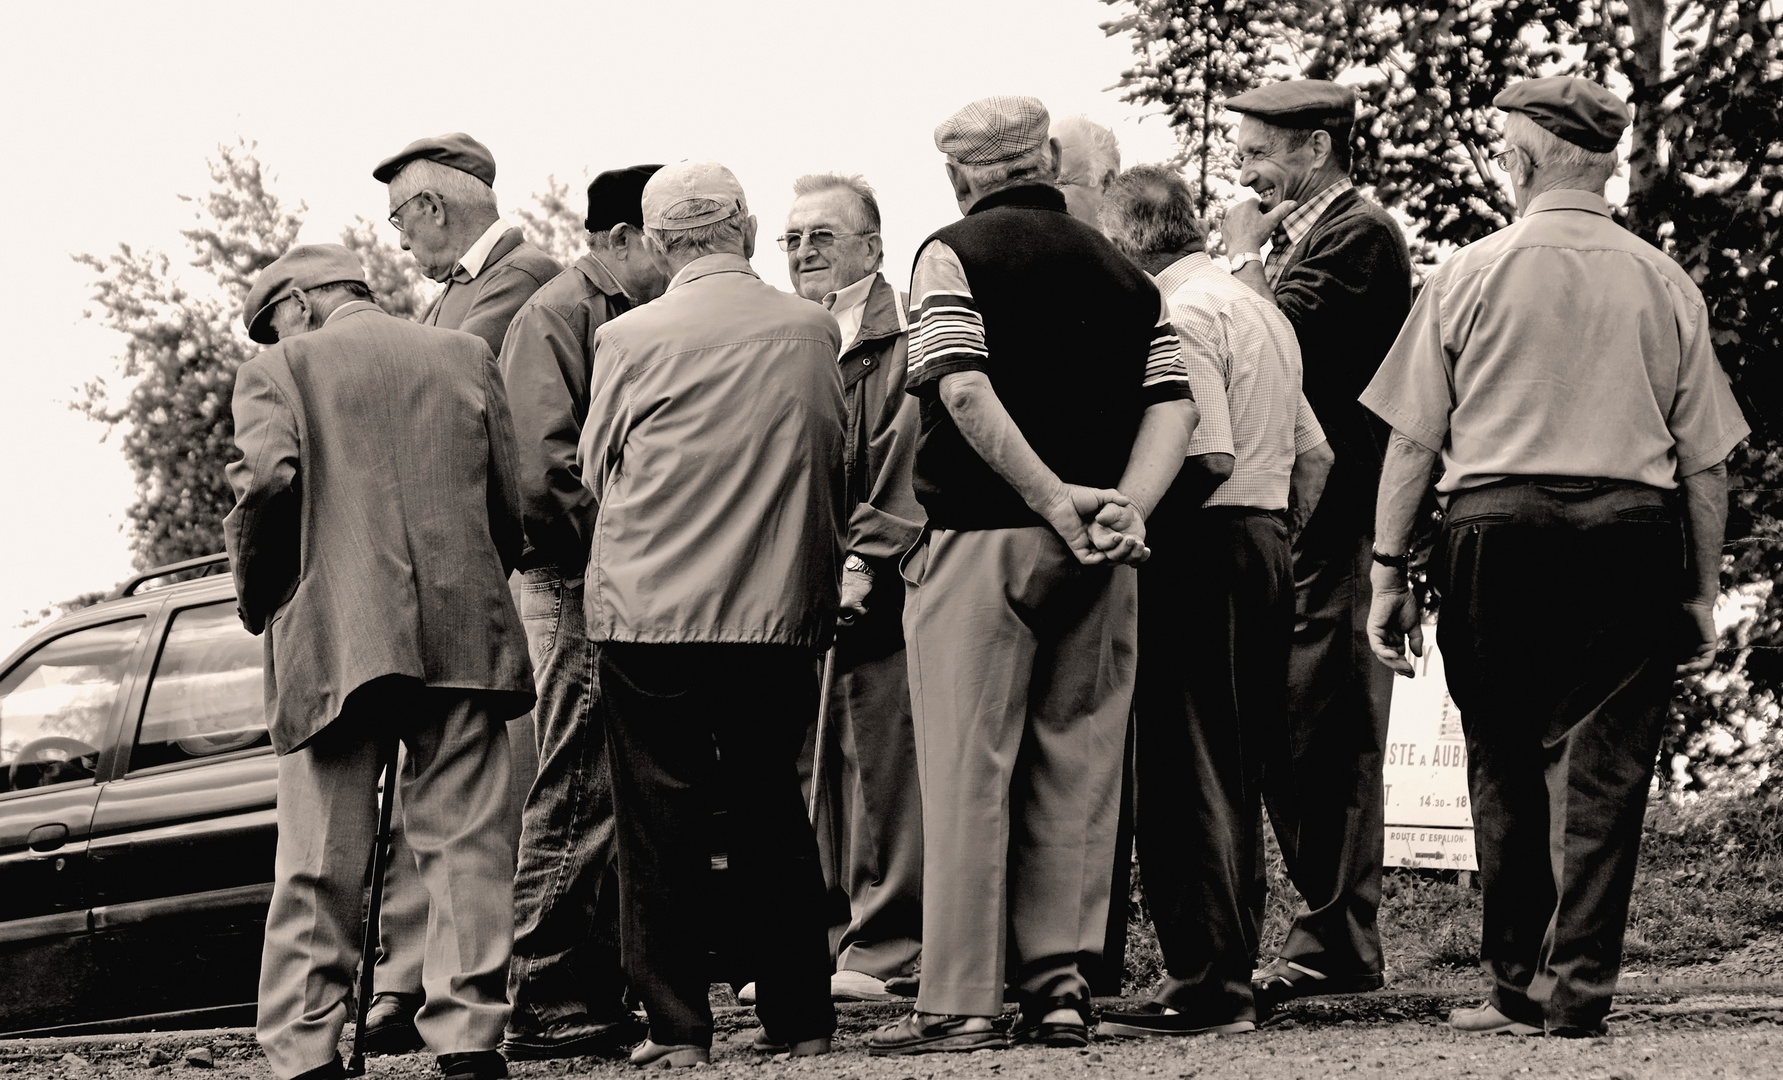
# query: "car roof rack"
x,y
203,562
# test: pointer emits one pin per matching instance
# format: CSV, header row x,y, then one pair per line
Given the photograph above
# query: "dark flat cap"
x,y
1298,103
454,148
994,129
1578,110
307,266
618,195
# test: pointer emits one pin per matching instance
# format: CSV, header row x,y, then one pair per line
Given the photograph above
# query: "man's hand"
x,y
1699,620
1246,227
856,585
1070,511
1118,530
1394,622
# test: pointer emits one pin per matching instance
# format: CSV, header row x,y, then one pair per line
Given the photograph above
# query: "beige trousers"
x,y
1021,675
458,814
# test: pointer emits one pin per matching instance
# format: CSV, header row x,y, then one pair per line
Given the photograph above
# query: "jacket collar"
x,y
707,265
884,315
1038,196
599,276
351,307
1568,199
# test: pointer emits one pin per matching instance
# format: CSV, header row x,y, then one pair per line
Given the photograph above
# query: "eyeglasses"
x,y
1505,157
818,238
396,214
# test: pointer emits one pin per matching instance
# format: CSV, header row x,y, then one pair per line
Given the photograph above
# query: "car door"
x,y
183,838
60,706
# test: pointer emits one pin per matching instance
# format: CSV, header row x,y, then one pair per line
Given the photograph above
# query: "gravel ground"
x,y
1694,1032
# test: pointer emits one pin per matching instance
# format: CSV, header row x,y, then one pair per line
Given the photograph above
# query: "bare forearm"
x,y
1157,453
991,433
1405,475
1306,483
1705,524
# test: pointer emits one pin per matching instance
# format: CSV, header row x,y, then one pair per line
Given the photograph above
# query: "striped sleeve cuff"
x,y
1166,375
946,330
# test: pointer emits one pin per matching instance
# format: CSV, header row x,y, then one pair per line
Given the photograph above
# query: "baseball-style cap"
x,y
1578,110
308,266
618,195
1298,103
683,182
994,129
455,149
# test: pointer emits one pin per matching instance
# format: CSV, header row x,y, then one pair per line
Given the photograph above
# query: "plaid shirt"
x,y
1296,225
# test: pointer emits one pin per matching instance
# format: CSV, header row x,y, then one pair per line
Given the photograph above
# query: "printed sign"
x,y
1429,814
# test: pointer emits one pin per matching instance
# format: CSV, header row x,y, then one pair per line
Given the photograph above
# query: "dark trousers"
x,y
693,729
1324,794
1216,606
566,887
1557,631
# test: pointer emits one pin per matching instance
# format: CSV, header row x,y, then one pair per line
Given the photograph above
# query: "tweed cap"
x,y
618,195
307,266
993,130
1578,110
683,182
1298,103
454,148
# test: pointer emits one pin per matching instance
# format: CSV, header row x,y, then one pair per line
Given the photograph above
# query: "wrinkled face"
x,y
1268,168
1083,192
421,221
817,270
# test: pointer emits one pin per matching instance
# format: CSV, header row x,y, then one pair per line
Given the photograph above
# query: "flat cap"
x,y
307,266
683,182
618,195
994,129
1578,110
454,148
1298,103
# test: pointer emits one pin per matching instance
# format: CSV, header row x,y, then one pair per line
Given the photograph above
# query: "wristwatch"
x,y
1238,262
1397,562
857,564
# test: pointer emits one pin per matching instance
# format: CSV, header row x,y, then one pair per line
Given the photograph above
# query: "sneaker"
x,y
846,985
577,1036
1061,1022
679,1056
1487,1020
1153,1019
929,1033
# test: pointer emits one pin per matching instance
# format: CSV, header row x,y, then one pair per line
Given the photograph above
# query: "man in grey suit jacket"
x,y
376,521
442,201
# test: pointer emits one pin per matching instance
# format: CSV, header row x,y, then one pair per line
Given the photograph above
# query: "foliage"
x,y
554,223
1705,184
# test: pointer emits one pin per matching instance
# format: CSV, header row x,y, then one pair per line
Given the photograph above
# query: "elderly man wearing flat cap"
x,y
442,202
713,447
1056,411
376,522
566,984
1560,373
1339,270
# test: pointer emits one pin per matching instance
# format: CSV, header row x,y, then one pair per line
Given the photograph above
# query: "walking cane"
x,y
823,719
380,862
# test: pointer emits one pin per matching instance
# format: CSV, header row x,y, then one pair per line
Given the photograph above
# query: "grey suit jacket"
x,y
486,304
377,517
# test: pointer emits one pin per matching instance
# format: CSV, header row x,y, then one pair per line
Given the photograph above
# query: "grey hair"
x,y
1149,210
1546,148
715,236
1099,144
853,183
1036,166
455,187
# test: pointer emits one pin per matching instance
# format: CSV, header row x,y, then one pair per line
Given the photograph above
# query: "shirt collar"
x,y
1303,217
850,296
1568,199
471,262
721,263
349,308
1180,272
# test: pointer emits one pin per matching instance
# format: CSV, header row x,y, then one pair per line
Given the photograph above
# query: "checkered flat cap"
x,y
994,129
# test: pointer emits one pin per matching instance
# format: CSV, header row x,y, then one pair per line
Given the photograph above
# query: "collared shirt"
x,y
1228,329
1561,345
471,262
1297,224
848,305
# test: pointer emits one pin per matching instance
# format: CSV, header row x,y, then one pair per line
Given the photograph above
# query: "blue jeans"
x,y
566,900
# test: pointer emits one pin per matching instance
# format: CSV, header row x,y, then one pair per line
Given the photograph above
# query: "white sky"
x,y
112,108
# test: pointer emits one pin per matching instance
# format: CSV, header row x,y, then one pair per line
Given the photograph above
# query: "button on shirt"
x,y
1561,345
848,305
1248,350
1297,224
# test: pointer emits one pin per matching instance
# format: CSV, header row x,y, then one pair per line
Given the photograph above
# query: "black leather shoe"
x,y
1283,980
577,1036
390,1024
334,1070
475,1065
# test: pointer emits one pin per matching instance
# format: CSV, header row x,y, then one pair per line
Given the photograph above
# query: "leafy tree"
x,y
555,221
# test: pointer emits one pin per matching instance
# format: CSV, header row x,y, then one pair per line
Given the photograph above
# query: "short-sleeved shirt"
x,y
1562,345
1250,347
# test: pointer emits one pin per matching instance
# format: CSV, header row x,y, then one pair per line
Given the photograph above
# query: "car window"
x,y
56,705
207,695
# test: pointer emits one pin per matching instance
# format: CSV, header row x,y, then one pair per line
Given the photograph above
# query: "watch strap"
x,y
1397,562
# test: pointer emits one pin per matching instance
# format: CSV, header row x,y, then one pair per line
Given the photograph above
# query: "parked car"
x,y
137,803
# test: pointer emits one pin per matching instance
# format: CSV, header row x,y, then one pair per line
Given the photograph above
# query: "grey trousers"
x,y
1021,674
459,815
